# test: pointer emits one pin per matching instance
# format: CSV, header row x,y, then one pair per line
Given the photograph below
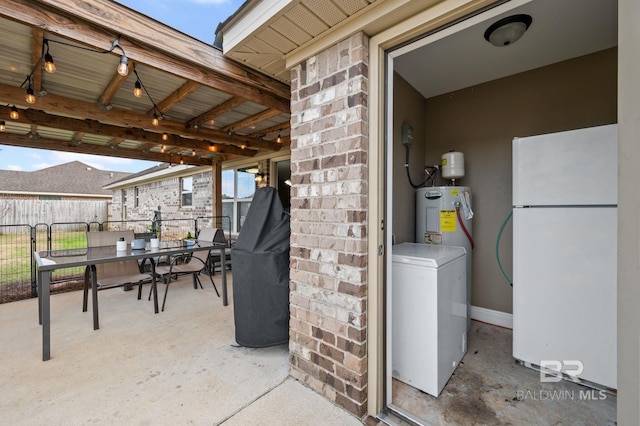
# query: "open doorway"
x,y
459,92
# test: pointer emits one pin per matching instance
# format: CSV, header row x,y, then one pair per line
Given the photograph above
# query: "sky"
x,y
197,18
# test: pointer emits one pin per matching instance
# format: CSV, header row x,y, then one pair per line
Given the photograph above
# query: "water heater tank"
x,y
452,165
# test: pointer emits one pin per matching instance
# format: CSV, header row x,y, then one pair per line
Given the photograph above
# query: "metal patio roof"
x,y
211,108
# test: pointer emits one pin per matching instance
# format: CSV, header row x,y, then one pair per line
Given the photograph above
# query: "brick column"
x,y
329,142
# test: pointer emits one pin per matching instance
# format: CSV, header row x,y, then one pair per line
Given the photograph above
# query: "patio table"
x,y
49,261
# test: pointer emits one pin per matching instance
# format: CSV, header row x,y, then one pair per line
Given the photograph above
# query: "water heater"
x,y
438,222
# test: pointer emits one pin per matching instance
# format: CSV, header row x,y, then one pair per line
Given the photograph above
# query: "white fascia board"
x,y
179,169
257,16
56,194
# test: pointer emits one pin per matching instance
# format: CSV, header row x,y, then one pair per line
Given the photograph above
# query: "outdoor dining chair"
x,y
115,274
193,264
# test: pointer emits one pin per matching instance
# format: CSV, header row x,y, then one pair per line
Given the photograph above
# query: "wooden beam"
x,y
147,42
176,97
110,91
86,148
64,108
119,134
214,112
250,121
36,57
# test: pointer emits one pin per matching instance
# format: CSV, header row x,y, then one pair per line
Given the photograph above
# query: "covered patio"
x,y
181,366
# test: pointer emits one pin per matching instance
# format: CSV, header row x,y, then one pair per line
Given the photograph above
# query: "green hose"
x,y
498,245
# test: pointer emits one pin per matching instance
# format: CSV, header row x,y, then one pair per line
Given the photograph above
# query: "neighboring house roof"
x,y
74,178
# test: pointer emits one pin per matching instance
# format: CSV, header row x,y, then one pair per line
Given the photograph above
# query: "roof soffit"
x,y
310,27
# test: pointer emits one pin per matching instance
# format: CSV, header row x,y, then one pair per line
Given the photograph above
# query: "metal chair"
x,y
193,264
110,275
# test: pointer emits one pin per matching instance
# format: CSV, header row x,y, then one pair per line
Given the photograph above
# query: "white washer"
x,y
429,314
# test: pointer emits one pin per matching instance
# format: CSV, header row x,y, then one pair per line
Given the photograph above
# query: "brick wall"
x,y
329,223
166,193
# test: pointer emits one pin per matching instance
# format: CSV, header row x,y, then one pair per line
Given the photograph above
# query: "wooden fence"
x,y
32,212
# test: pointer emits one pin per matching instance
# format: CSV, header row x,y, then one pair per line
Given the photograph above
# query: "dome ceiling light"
x,y
508,30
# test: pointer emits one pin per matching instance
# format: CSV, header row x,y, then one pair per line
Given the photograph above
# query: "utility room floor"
x,y
489,388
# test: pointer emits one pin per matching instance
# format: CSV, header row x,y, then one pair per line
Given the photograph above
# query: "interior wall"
x,y
482,120
408,107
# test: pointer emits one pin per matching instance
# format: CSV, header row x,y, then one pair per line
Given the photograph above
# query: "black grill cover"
x,y
260,268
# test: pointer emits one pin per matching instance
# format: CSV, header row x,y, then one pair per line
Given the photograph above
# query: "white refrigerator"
x,y
564,252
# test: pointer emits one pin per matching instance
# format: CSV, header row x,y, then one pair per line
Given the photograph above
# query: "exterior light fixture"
x,y
165,137
49,66
508,30
279,138
137,89
14,114
3,126
154,119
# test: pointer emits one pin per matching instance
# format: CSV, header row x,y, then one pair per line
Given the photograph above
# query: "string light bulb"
x,y
14,114
49,66
181,160
193,152
123,66
163,148
3,126
31,97
279,138
154,119
165,137
137,89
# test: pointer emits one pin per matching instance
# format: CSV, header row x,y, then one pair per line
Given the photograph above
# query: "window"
x,y
238,187
124,197
186,185
136,195
49,197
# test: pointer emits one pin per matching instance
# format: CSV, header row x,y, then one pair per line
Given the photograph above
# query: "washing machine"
x,y
429,314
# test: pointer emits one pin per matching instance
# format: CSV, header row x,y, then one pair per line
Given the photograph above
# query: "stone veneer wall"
x,y
329,140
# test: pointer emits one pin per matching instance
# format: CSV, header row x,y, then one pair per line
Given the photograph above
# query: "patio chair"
x,y
104,276
192,264
215,260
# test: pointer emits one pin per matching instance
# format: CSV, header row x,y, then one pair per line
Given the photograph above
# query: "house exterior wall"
x,y
164,192
329,141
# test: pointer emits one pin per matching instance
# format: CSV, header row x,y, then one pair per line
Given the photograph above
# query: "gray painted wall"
x,y
481,121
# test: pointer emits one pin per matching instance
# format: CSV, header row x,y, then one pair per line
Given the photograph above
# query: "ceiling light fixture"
x,y
14,114
279,138
154,119
508,30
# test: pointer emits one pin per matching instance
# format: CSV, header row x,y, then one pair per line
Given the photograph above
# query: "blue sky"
x,y
197,18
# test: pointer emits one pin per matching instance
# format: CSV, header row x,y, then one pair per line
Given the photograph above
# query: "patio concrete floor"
x,y
181,366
